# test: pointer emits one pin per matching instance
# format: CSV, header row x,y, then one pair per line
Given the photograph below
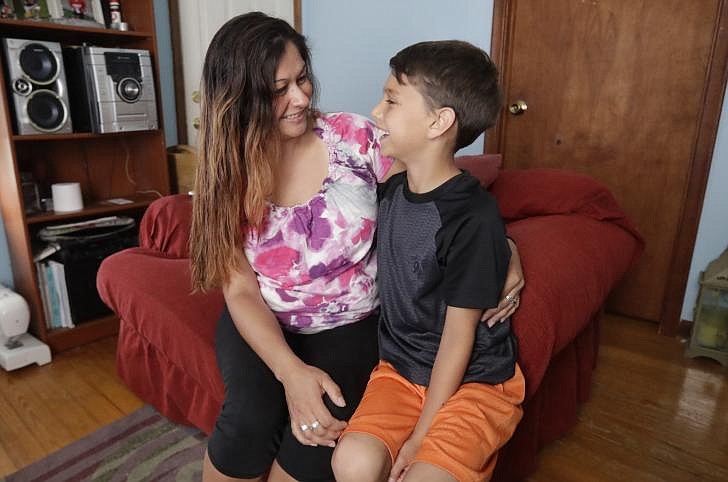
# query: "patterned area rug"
x,y
143,446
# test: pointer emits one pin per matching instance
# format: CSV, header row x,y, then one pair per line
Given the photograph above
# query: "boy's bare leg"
x,y
211,474
424,472
361,458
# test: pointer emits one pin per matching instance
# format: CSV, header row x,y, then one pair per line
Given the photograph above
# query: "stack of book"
x,y
53,290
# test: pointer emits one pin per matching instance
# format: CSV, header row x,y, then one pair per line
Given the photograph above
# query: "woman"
x,y
284,220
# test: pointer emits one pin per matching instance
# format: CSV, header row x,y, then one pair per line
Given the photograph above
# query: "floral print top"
x,y
315,262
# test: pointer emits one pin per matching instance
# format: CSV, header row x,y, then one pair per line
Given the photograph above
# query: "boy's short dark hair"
x,y
455,74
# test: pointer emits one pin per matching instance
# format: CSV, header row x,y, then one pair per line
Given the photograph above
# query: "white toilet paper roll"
x,y
66,197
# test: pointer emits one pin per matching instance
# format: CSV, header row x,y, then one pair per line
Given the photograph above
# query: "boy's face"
x,y
404,116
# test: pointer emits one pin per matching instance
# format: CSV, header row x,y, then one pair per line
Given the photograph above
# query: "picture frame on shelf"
x,y
82,13
99,14
31,9
7,9
54,9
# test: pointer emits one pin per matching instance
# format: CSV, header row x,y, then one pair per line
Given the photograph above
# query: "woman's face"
x,y
293,92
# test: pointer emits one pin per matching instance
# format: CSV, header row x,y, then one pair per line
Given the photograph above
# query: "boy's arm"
x,y
453,356
451,361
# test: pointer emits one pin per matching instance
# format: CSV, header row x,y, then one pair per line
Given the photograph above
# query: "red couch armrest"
x,y
166,224
570,264
525,193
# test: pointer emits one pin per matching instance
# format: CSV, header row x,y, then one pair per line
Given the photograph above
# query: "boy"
x,y
446,394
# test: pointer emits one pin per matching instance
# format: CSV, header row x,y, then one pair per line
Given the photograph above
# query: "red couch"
x,y
575,244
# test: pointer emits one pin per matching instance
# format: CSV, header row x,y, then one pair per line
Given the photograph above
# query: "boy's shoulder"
x,y
469,199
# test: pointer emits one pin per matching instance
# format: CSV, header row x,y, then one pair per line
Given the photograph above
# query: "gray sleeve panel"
x,y
472,249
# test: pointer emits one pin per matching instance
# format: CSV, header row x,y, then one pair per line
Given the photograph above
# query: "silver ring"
x,y
514,300
315,424
304,427
510,299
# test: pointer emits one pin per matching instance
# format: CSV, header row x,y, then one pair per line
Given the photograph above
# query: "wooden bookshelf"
x,y
62,339
43,30
129,165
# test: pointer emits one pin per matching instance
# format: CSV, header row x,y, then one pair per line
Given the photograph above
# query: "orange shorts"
x,y
466,433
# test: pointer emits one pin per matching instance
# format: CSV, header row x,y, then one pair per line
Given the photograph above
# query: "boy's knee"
x,y
360,457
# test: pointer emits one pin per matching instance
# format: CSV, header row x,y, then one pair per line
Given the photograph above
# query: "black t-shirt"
x,y
444,247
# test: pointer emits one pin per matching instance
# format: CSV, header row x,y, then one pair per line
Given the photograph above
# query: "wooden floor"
x,y
45,408
654,415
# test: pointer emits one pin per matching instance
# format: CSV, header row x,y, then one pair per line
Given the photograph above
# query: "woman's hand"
x,y
311,422
511,291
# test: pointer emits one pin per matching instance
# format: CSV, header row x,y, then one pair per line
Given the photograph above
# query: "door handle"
x,y
518,107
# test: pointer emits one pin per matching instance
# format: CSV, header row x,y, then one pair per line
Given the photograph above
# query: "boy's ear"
x,y
443,119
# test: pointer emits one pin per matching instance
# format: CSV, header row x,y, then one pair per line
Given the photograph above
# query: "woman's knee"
x,y
244,444
360,457
210,473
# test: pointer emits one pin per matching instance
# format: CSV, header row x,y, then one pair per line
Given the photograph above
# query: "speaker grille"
x,y
46,111
38,63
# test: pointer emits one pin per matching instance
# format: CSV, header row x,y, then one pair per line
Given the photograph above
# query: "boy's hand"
x,y
404,458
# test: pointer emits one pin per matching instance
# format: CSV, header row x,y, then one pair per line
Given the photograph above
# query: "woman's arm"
x,y
453,355
511,296
304,384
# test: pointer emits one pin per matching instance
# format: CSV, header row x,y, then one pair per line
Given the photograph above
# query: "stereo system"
x,y
115,89
79,88
37,86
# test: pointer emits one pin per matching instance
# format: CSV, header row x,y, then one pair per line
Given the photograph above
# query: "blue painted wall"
x,y
352,43
712,237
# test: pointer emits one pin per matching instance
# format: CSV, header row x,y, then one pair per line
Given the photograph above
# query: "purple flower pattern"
x,y
315,262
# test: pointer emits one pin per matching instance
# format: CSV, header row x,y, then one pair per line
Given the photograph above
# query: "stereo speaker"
x,y
37,86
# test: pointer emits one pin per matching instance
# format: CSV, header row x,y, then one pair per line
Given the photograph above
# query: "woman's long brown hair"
x,y
238,140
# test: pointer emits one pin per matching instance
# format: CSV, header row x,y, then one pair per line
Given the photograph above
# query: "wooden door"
x,y
628,92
